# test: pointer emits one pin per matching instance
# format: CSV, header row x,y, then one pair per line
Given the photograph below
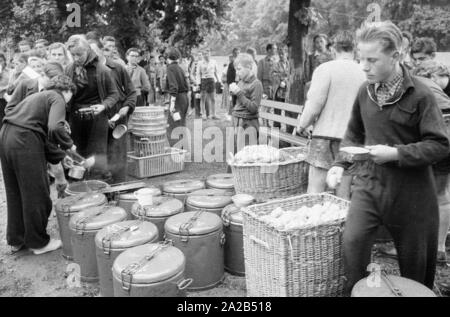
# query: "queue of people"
x,y
381,89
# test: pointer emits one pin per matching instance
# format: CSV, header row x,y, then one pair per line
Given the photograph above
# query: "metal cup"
x,y
119,131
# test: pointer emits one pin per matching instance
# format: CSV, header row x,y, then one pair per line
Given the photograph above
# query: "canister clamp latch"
x,y
109,238
80,224
133,268
185,227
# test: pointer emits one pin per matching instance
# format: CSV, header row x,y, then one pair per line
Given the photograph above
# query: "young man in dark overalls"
x,y
396,117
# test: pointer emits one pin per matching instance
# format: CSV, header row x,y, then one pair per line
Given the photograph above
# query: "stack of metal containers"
x,y
148,127
151,155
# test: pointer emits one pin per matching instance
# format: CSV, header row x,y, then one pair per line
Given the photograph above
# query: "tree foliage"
x,y
143,23
259,22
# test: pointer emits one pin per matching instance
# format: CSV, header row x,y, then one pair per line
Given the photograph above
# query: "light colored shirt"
x,y
4,79
334,87
207,69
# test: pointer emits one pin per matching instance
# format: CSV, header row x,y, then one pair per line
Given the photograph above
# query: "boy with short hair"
x,y
423,49
395,116
248,92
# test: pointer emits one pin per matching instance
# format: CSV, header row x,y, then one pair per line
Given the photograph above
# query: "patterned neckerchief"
x,y
385,91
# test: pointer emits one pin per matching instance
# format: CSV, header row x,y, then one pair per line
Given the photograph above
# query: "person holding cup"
x,y
93,104
29,131
248,92
395,116
178,88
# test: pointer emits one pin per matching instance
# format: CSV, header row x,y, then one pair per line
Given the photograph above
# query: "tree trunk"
x,y
297,31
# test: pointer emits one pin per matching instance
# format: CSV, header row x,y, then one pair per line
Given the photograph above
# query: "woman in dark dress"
x,y
34,132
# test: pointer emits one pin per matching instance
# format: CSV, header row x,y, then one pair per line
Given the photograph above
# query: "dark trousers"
x,y
27,187
405,202
195,104
90,135
2,110
117,158
181,106
140,101
233,103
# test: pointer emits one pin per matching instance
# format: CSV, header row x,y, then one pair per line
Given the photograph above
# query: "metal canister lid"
x,y
79,202
221,181
126,234
183,186
86,187
232,214
209,198
391,286
148,263
193,223
130,196
162,207
96,218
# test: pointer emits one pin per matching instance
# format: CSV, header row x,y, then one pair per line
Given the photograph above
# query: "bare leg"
x,y
202,104
444,224
317,180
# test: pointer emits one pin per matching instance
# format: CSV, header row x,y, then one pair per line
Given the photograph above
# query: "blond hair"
x,y
246,61
77,41
386,33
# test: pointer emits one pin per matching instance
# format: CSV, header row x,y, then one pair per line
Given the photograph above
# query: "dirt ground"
x,y
25,274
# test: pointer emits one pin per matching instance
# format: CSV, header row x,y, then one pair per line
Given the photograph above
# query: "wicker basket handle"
x,y
259,241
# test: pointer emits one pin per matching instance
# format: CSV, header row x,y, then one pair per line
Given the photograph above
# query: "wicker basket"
x,y
148,145
161,164
273,180
304,262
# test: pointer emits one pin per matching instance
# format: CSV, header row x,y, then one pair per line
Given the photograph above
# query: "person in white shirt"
x,y
333,91
208,76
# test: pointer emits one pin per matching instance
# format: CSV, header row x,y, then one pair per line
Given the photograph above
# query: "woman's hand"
x,y
123,112
67,162
98,109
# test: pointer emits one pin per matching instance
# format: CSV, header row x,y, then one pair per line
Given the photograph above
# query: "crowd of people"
x,y
389,95
380,89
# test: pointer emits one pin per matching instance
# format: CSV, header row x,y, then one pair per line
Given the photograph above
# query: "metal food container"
x,y
181,188
114,239
150,270
127,200
379,284
88,186
212,200
221,181
353,153
199,235
233,218
162,209
83,228
67,207
77,172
